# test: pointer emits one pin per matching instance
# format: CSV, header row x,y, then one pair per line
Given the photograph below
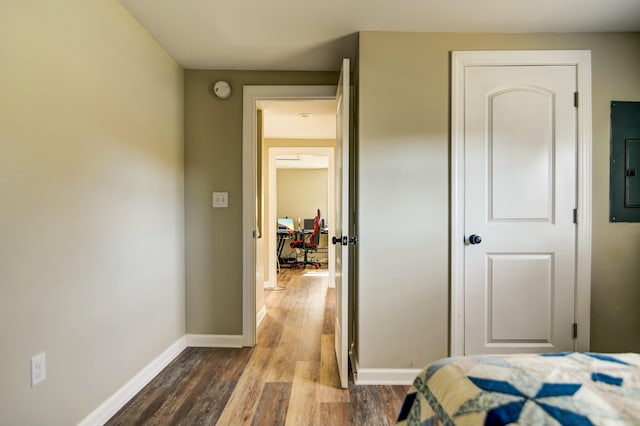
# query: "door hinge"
x,y
575,215
575,330
575,99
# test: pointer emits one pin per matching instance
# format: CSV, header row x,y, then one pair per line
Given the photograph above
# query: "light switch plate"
x,y
38,368
220,199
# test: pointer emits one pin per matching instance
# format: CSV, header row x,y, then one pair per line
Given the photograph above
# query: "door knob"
x,y
475,239
344,240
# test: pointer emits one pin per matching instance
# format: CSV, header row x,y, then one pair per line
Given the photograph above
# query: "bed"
x,y
572,388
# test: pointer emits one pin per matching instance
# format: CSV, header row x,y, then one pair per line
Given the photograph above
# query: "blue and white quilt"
x,y
574,388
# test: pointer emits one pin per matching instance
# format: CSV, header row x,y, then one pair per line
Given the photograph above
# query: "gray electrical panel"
x,y
624,189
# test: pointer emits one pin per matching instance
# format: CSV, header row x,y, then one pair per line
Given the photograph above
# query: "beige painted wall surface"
x,y
404,181
301,192
92,224
213,162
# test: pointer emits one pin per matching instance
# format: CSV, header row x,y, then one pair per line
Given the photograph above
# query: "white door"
x,y
520,150
341,222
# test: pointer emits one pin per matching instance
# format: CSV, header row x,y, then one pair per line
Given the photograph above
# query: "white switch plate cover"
x,y
220,199
38,369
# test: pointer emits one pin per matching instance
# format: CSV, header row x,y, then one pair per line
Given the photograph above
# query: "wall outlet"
x,y
38,369
220,199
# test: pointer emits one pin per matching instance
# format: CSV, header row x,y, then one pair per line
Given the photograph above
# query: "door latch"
x,y
349,240
345,240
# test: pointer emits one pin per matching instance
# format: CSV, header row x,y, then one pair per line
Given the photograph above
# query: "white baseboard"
x,y
386,376
382,376
115,402
214,340
260,315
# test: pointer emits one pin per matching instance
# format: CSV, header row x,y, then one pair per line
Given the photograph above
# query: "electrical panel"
x,y
624,189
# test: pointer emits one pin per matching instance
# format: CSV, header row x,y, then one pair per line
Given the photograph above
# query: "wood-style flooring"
x,y
289,378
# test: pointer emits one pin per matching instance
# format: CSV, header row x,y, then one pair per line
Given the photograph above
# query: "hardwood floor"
x,y
289,378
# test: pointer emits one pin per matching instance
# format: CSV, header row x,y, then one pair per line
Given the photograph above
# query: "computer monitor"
x,y
308,224
285,224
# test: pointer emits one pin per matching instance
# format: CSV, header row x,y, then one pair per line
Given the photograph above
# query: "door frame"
x,y
581,59
250,96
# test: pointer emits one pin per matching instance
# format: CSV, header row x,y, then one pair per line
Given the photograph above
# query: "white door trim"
x,y
250,95
581,59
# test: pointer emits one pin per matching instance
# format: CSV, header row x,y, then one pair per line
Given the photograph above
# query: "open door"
x,y
341,222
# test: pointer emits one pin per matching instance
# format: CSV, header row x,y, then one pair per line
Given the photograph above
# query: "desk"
x,y
285,235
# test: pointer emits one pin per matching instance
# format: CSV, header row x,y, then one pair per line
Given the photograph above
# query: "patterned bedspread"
x,y
548,389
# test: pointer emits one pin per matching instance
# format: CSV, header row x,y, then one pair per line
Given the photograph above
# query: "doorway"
x,y
339,228
296,146
253,97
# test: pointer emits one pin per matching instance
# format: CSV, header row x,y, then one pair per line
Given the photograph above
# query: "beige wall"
x,y
213,162
301,192
91,217
404,158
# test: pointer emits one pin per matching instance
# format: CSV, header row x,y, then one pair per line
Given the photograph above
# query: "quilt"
x,y
572,388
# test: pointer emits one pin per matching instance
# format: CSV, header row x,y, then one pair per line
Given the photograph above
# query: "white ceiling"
x,y
315,35
306,35
299,119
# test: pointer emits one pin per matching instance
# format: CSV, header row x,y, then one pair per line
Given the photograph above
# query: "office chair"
x,y
310,244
